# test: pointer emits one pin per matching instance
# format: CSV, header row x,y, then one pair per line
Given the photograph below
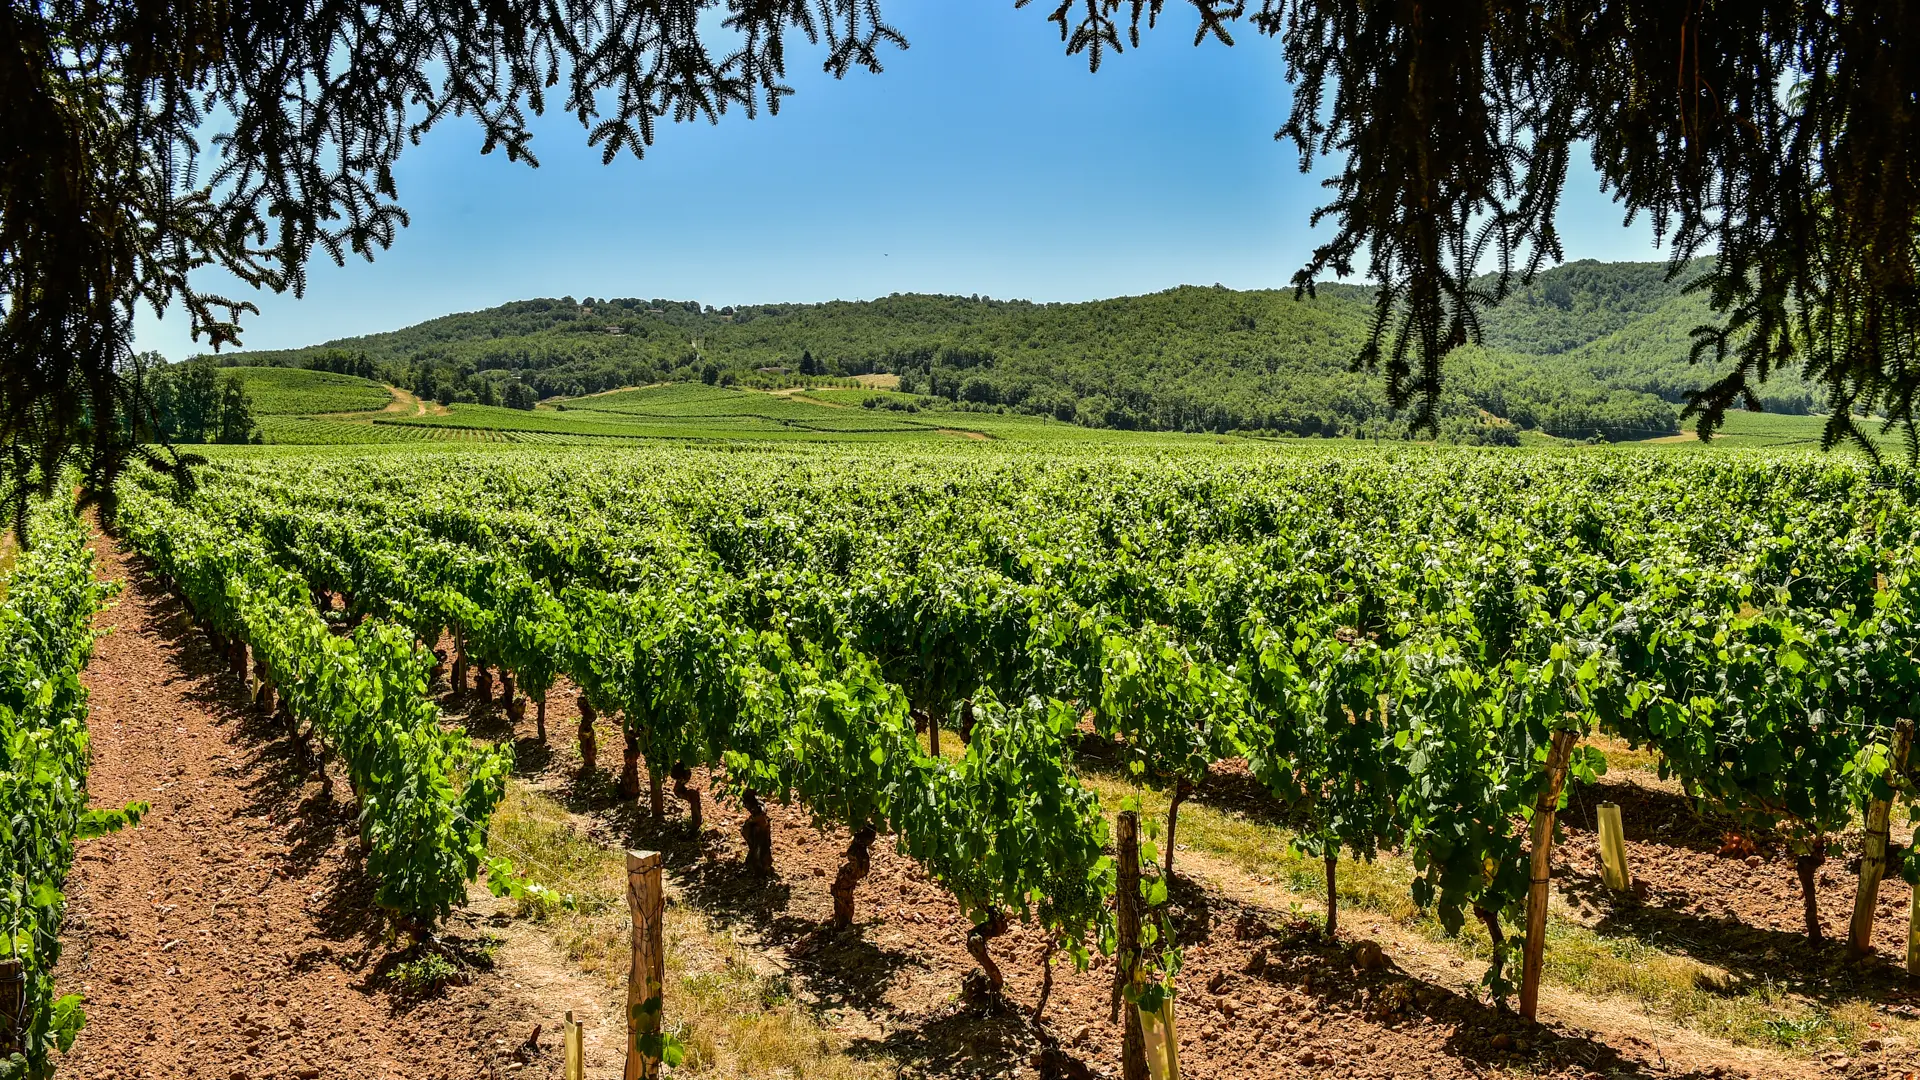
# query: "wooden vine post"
x,y
573,1046
1126,969
1613,848
1873,858
1913,938
1543,812
646,981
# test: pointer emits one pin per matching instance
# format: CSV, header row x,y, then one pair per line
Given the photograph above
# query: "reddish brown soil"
x,y
232,934
1731,901
1695,868
1262,996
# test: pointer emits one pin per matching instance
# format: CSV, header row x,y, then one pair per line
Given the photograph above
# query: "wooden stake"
x,y
573,1045
1913,938
1543,811
1873,859
1613,849
646,981
1126,969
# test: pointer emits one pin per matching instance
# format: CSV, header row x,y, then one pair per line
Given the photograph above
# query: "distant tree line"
x,y
193,402
1590,351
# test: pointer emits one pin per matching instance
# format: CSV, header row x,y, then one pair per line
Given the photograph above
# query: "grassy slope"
x,y
1769,431
297,392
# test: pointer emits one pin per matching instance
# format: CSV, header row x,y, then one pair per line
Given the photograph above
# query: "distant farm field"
x,y
297,392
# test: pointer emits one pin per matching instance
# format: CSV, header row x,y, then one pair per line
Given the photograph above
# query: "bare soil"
x,y
232,934
1733,900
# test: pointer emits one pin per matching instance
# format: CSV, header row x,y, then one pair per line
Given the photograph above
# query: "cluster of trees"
x,y
339,361
1588,351
193,402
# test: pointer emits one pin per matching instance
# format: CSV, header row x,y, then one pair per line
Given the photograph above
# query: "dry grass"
x,y
951,744
735,1017
8,555
1623,758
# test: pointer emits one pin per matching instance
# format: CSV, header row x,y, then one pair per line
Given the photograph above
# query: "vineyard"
x,y
967,657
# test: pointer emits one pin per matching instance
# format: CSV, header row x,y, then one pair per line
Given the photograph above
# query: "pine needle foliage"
x,y
145,140
1781,135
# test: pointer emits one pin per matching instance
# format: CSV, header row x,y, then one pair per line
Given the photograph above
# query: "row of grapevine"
x,y
426,794
46,622
787,719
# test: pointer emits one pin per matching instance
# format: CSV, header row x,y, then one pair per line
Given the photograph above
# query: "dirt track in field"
x,y
231,934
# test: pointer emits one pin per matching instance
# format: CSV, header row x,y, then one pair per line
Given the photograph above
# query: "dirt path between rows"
x,y
232,934
405,403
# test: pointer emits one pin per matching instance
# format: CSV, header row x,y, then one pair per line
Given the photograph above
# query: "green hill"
x,y
1590,349
280,391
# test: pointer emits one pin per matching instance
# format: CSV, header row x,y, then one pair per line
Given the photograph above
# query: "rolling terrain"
x,y
1590,350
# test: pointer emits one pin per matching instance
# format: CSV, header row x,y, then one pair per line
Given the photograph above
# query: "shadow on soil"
x,y
277,780
1293,956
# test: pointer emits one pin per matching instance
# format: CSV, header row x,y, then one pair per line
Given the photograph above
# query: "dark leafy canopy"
x,y
1780,133
143,140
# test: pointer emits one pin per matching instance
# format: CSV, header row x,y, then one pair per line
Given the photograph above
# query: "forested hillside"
x,y
1590,350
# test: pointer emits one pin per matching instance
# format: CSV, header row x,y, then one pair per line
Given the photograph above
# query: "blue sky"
x,y
983,160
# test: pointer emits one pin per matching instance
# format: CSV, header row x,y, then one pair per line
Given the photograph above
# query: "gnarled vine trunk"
x,y
264,697
1181,789
681,774
977,940
260,683
1046,982
1492,923
630,768
589,743
540,717
483,683
516,709
1806,866
757,831
858,864
1333,897
656,793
